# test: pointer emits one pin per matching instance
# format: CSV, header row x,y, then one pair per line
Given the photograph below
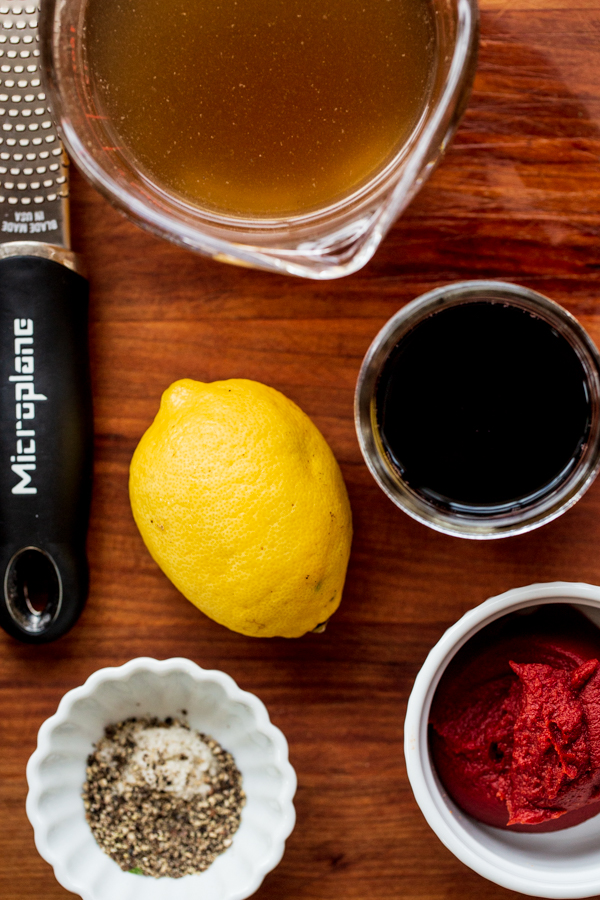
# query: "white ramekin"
x,y
215,705
561,864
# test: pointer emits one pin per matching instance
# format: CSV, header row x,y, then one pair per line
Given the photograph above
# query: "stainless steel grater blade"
x,y
34,181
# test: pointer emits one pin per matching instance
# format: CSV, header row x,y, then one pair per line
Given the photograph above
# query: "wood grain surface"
x,y
517,197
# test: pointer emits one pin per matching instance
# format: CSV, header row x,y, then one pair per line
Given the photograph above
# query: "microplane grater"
x,y
34,181
46,428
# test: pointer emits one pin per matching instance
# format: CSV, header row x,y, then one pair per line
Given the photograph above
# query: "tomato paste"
x,y
515,721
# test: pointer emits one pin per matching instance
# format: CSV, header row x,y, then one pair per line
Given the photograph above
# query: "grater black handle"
x,y
46,440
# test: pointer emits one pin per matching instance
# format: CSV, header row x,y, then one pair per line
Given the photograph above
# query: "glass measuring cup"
x,y
328,242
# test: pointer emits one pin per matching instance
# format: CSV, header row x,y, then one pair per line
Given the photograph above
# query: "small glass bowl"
x,y
327,243
532,513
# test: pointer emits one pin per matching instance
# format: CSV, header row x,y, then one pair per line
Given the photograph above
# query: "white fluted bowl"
x,y
216,706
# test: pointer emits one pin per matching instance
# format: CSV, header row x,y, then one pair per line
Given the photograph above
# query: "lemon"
x,y
241,502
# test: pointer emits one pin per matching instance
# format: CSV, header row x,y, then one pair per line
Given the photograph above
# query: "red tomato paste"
x,y
515,721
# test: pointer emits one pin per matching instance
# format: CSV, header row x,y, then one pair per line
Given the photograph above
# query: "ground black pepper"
x,y
154,831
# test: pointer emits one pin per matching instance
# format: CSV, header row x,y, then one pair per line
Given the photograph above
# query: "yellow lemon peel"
x,y
242,504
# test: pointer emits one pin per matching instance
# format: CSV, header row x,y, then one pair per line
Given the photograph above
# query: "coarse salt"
x,y
175,760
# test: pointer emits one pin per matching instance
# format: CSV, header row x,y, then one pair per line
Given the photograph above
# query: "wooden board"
x,y
518,198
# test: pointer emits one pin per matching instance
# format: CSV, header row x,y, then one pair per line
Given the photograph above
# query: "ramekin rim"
x,y
485,862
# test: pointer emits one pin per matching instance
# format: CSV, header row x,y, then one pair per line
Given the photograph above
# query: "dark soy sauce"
x,y
483,407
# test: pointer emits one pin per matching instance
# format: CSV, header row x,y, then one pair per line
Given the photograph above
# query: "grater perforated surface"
x,y
34,182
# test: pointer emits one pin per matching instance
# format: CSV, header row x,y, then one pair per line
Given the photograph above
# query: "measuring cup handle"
x,y
46,442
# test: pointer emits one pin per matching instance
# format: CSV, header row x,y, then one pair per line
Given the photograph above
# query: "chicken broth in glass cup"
x,y
282,135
